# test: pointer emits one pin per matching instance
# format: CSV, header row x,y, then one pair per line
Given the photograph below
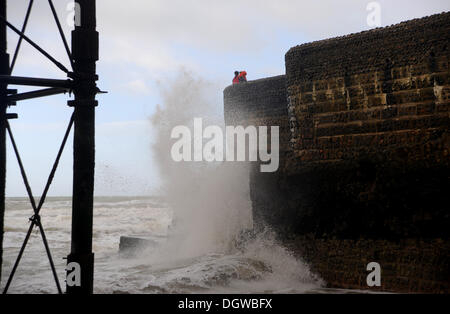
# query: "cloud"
x,y
121,128
156,34
143,45
162,35
219,26
138,86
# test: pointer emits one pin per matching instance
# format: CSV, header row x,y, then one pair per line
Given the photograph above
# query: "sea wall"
x,y
262,103
365,154
369,117
376,90
407,265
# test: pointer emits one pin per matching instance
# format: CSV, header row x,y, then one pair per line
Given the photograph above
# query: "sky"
x,y
144,45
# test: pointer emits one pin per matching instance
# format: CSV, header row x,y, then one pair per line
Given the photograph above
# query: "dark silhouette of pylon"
x,y
82,82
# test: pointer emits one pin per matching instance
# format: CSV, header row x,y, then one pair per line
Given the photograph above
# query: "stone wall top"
x,y
256,99
397,45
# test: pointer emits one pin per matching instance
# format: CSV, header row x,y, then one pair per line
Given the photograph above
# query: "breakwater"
x,y
364,154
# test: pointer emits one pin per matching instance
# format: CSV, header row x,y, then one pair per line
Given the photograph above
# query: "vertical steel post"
x,y
85,55
4,69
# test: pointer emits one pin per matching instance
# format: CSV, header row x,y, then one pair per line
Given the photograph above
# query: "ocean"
x,y
260,265
196,226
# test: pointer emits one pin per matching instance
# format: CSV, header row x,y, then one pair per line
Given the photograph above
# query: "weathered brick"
x,y
366,143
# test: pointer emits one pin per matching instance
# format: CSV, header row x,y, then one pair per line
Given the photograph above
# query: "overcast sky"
x,y
143,46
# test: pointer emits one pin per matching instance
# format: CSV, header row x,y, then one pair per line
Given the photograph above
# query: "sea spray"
x,y
210,200
211,208
259,266
207,206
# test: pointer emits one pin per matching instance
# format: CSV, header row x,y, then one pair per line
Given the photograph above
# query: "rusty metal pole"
x,y
4,69
85,55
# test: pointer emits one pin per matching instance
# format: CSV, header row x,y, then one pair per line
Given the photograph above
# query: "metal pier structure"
x,y
81,81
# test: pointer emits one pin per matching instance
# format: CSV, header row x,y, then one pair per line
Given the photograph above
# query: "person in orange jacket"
x,y
239,77
236,77
242,77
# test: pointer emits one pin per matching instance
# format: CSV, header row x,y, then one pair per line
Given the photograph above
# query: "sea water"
x,y
201,211
260,266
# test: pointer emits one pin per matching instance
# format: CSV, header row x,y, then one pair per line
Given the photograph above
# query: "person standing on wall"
x,y
239,77
242,77
236,77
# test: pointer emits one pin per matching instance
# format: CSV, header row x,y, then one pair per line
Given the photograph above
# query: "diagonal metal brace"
x,y
36,46
35,219
61,32
19,43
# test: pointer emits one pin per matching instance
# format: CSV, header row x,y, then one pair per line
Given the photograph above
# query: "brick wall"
x,y
369,117
373,91
365,166
408,265
262,103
